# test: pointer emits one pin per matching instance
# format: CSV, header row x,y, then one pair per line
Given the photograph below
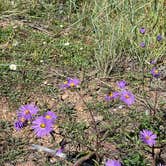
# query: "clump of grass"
x,y
116,32
12,148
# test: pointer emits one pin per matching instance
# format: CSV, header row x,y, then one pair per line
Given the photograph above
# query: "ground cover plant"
x,y
83,83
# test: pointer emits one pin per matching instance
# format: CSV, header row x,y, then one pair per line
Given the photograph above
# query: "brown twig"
x,y
145,102
84,158
155,100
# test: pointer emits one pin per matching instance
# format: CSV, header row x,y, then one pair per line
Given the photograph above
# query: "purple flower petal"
x,y
73,82
112,163
111,96
64,85
121,84
50,116
70,83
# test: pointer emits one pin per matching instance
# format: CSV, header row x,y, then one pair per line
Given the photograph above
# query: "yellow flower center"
x,y
27,112
156,71
48,117
127,96
147,137
110,94
42,125
72,84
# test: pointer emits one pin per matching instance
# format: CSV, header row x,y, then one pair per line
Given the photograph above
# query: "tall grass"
x,y
116,27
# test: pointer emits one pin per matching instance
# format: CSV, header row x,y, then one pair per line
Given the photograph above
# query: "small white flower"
x,y
44,42
147,112
66,44
45,82
81,48
121,106
12,67
61,26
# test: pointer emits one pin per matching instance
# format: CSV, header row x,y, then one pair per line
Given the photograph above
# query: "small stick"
x,y
84,158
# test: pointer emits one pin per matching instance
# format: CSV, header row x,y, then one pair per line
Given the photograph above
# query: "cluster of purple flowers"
x,y
124,95
154,72
70,83
143,31
42,125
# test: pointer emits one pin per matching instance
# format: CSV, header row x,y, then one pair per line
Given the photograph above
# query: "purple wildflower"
x,y
27,111
111,96
64,85
142,30
18,125
142,44
121,84
73,82
50,116
159,38
41,126
112,163
148,137
155,72
127,97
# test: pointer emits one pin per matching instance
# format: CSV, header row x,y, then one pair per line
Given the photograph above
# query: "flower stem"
x,y
93,121
155,100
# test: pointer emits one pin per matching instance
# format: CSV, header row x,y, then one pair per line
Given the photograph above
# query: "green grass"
x,y
52,40
12,149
